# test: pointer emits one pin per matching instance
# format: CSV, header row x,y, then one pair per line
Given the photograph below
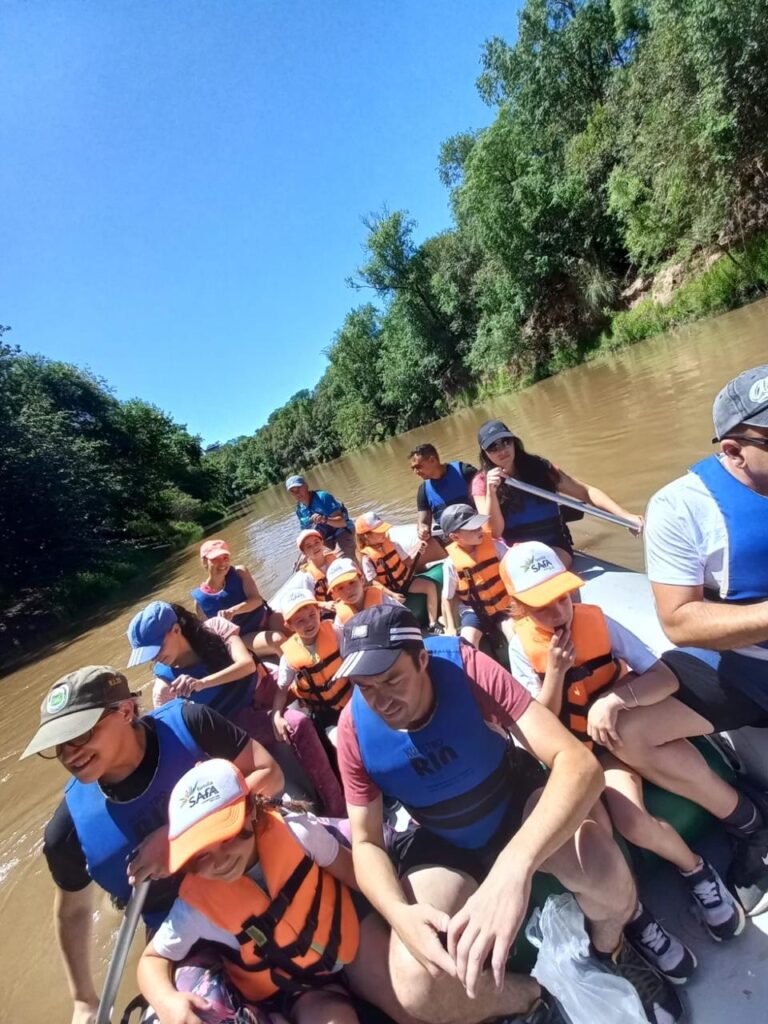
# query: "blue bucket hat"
x,y
147,630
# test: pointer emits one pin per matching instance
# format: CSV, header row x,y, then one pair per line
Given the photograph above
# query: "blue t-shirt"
x,y
324,504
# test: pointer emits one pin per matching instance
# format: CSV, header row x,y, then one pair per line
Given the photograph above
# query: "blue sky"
x,y
183,182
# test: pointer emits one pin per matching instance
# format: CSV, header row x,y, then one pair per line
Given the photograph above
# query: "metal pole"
x,y
120,954
562,499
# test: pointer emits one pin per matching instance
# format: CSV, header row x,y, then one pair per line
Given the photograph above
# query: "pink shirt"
x,y
501,699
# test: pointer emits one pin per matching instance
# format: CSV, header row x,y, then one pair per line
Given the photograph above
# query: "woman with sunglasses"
x,y
517,516
122,770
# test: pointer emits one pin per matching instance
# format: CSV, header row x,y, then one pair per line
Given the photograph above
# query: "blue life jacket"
x,y
450,489
232,593
536,518
452,774
226,698
109,831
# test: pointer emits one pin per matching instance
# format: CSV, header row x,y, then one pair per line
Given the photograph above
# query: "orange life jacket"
x,y
372,595
594,671
391,570
294,931
315,682
480,584
318,575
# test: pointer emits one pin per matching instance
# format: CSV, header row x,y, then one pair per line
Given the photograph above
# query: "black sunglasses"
x,y
742,439
503,442
76,741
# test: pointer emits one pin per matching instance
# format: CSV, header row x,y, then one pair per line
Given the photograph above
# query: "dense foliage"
x,y
626,136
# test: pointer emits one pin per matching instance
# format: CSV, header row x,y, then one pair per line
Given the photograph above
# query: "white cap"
x,y
340,571
294,599
534,574
207,805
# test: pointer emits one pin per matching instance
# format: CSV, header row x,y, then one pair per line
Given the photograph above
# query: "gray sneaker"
x,y
720,913
660,948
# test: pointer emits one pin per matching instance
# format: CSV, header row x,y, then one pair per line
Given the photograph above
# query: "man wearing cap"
x,y
428,724
319,510
123,768
443,484
706,549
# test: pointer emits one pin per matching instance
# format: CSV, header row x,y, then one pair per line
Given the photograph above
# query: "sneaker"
x,y
663,951
436,629
720,914
660,1001
546,1010
749,872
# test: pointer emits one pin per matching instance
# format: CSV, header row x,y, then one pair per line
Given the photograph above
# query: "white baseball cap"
x,y
207,805
534,574
295,599
341,571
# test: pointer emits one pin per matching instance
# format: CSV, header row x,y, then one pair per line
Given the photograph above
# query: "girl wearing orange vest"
x,y
317,560
385,562
587,669
276,895
350,592
472,575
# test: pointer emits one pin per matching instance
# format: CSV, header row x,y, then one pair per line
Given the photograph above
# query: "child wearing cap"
x,y
274,893
316,560
471,576
388,563
350,592
588,669
230,592
308,666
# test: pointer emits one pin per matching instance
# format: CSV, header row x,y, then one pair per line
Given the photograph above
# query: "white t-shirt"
x,y
185,925
369,569
686,541
450,576
624,645
286,675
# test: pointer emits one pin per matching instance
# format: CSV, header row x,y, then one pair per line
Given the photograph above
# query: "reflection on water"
x,y
627,424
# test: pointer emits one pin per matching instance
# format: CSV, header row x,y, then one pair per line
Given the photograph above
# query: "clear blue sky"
x,y
182,182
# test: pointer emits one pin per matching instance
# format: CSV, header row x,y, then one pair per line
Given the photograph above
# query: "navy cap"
x,y
492,430
742,402
374,638
147,630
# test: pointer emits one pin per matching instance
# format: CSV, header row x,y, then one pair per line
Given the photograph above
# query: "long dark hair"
x,y
209,647
529,468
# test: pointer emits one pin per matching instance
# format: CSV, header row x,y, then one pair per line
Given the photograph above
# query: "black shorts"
x,y
419,847
705,689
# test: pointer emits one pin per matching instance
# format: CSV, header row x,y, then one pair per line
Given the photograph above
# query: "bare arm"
x,y
343,868
424,524
73,925
262,773
154,974
253,598
488,504
586,492
689,620
649,687
242,665
451,615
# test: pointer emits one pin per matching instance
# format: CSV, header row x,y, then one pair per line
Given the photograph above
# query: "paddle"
x,y
120,954
580,506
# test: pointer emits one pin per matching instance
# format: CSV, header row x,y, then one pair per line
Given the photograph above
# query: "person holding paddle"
x,y
516,515
319,510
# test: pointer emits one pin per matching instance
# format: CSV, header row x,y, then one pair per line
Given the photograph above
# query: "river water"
x,y
627,423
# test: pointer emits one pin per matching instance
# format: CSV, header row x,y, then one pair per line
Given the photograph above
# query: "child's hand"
x,y
602,720
180,1008
562,653
280,727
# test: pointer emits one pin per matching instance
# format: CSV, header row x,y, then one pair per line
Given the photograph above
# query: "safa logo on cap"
x,y
199,793
759,390
537,563
57,699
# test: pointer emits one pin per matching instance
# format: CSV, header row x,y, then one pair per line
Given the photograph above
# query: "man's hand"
x,y
494,478
487,924
602,720
184,685
317,519
180,1008
424,532
84,1012
280,727
419,926
562,653
151,858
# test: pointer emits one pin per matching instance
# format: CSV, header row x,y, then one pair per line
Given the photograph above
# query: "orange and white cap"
x,y
341,571
294,599
305,535
371,522
534,575
207,805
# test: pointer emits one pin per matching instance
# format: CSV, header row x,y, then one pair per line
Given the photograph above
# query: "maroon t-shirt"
x,y
501,699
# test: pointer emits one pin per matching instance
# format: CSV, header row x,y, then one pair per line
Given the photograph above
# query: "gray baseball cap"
x,y
743,400
75,703
461,517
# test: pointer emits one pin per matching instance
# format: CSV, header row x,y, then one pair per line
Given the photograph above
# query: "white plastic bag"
x,y
563,966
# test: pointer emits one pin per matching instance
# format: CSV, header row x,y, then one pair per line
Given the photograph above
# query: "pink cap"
x,y
305,535
214,549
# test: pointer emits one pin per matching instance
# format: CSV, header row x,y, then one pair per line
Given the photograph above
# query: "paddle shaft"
x,y
120,954
561,499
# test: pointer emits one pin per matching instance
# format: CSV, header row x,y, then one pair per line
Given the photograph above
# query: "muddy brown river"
x,y
627,423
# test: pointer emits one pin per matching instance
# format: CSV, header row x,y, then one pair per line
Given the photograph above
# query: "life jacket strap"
x,y
579,672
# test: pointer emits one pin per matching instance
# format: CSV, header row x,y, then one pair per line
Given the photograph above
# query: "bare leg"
x,y
429,589
265,643
369,974
654,743
324,1006
624,798
471,635
443,1000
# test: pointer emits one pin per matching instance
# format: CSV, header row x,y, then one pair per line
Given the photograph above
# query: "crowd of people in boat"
x,y
260,910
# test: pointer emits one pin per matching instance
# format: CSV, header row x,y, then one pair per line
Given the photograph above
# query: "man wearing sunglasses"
x,y
706,544
114,811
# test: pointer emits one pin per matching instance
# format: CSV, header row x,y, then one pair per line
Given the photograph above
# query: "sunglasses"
x,y
503,442
742,439
54,753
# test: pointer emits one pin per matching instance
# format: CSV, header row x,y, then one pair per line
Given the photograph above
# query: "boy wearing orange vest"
x,y
317,560
276,895
471,575
350,593
308,666
587,669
